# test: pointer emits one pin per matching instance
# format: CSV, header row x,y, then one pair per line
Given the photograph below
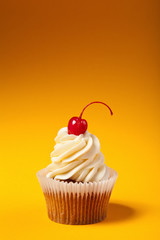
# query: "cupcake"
x,y
77,184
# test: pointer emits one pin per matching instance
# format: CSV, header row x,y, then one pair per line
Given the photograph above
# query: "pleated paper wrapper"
x,y
76,203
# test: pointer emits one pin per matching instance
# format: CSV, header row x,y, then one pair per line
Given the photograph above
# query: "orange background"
x,y
56,57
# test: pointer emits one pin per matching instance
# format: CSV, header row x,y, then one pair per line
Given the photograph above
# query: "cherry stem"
x,y
92,103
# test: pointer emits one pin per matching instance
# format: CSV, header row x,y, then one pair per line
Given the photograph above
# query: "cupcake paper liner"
x,y
76,203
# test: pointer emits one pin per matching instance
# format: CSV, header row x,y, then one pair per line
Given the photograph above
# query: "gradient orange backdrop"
x,y
56,57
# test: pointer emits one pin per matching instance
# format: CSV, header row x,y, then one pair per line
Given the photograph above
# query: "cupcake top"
x,y
77,158
77,154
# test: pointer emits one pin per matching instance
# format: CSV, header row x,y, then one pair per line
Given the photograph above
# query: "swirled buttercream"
x,y
77,158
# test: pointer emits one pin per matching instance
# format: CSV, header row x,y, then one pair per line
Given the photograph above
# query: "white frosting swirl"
x,y
77,158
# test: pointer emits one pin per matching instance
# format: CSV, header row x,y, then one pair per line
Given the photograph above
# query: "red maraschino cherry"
x,y
77,125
